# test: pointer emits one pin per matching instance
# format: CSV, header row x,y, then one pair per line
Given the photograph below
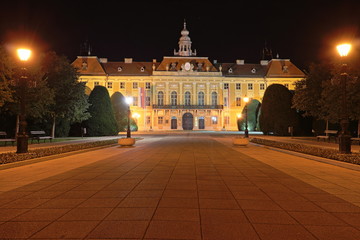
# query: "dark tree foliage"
x,y
102,121
253,111
120,108
276,112
5,77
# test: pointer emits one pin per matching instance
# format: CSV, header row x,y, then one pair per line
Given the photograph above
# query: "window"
x,y
135,85
187,98
160,120
147,101
160,98
262,86
135,101
226,85
214,98
250,86
201,98
226,120
147,85
119,69
238,101
96,83
148,120
238,86
142,69
122,85
109,84
173,98
226,102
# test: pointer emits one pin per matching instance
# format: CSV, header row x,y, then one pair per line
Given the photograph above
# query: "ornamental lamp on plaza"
x,y
21,136
344,136
128,101
246,100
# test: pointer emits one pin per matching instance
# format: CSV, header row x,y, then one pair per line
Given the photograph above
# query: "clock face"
x,y
187,66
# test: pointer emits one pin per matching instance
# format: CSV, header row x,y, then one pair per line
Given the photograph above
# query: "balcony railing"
x,y
188,106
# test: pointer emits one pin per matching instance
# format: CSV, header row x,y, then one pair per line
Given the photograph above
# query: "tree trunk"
x,y
17,125
53,128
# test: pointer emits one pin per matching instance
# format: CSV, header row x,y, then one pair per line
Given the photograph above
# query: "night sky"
x,y
303,31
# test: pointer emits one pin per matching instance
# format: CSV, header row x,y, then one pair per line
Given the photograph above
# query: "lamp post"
x,y
21,136
246,100
344,137
128,100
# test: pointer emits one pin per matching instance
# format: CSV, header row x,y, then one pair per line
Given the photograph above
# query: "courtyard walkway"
x,y
183,186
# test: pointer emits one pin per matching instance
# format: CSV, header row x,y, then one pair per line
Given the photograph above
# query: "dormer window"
x,y
253,70
142,69
285,69
230,70
120,69
84,65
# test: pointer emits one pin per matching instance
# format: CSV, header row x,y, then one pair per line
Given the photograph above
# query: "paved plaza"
x,y
183,186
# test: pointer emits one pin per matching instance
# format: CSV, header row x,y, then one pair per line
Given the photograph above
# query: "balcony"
x,y
188,106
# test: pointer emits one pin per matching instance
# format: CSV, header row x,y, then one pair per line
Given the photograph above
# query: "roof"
x,y
199,64
242,70
128,69
283,68
89,65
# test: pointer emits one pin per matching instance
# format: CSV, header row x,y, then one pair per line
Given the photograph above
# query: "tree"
x,y
252,110
120,109
102,121
5,77
319,94
276,111
70,101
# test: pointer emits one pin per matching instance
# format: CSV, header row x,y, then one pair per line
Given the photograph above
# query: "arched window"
x,y
214,98
173,98
187,98
201,99
160,98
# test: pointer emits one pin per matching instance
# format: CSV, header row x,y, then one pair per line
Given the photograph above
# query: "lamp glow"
x,y
24,54
129,100
343,49
239,115
246,99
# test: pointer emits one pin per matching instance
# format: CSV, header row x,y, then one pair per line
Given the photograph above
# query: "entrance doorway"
x,y
188,121
173,123
201,123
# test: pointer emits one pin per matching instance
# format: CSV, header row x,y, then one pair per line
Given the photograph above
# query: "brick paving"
x,y
187,186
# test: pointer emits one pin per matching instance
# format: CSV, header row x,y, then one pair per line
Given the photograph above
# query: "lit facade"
x,y
185,91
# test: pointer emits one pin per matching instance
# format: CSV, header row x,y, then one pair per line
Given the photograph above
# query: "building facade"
x,y
185,91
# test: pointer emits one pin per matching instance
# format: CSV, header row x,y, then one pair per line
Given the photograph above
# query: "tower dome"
x,y
185,44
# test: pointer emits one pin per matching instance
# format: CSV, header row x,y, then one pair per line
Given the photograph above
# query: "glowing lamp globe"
x,y
24,54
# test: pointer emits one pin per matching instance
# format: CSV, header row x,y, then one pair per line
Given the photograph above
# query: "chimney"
x,y
128,60
264,62
154,60
103,60
214,61
240,62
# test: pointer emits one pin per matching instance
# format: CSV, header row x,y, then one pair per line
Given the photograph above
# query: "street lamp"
x,y
344,137
129,101
21,136
246,100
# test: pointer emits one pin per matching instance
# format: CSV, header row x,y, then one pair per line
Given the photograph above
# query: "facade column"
x,y
208,94
194,99
181,97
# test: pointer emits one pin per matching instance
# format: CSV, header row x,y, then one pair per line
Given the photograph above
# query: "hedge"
x,y
311,150
10,157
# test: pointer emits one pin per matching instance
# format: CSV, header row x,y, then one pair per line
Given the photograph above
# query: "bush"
x,y
102,121
311,150
43,152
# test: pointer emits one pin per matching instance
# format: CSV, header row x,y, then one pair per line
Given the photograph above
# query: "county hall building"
x,y
186,91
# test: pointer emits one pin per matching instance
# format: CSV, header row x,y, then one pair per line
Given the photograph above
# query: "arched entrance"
x,y
173,123
188,121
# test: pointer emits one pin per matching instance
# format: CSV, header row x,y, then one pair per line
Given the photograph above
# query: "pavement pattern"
x,y
185,186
